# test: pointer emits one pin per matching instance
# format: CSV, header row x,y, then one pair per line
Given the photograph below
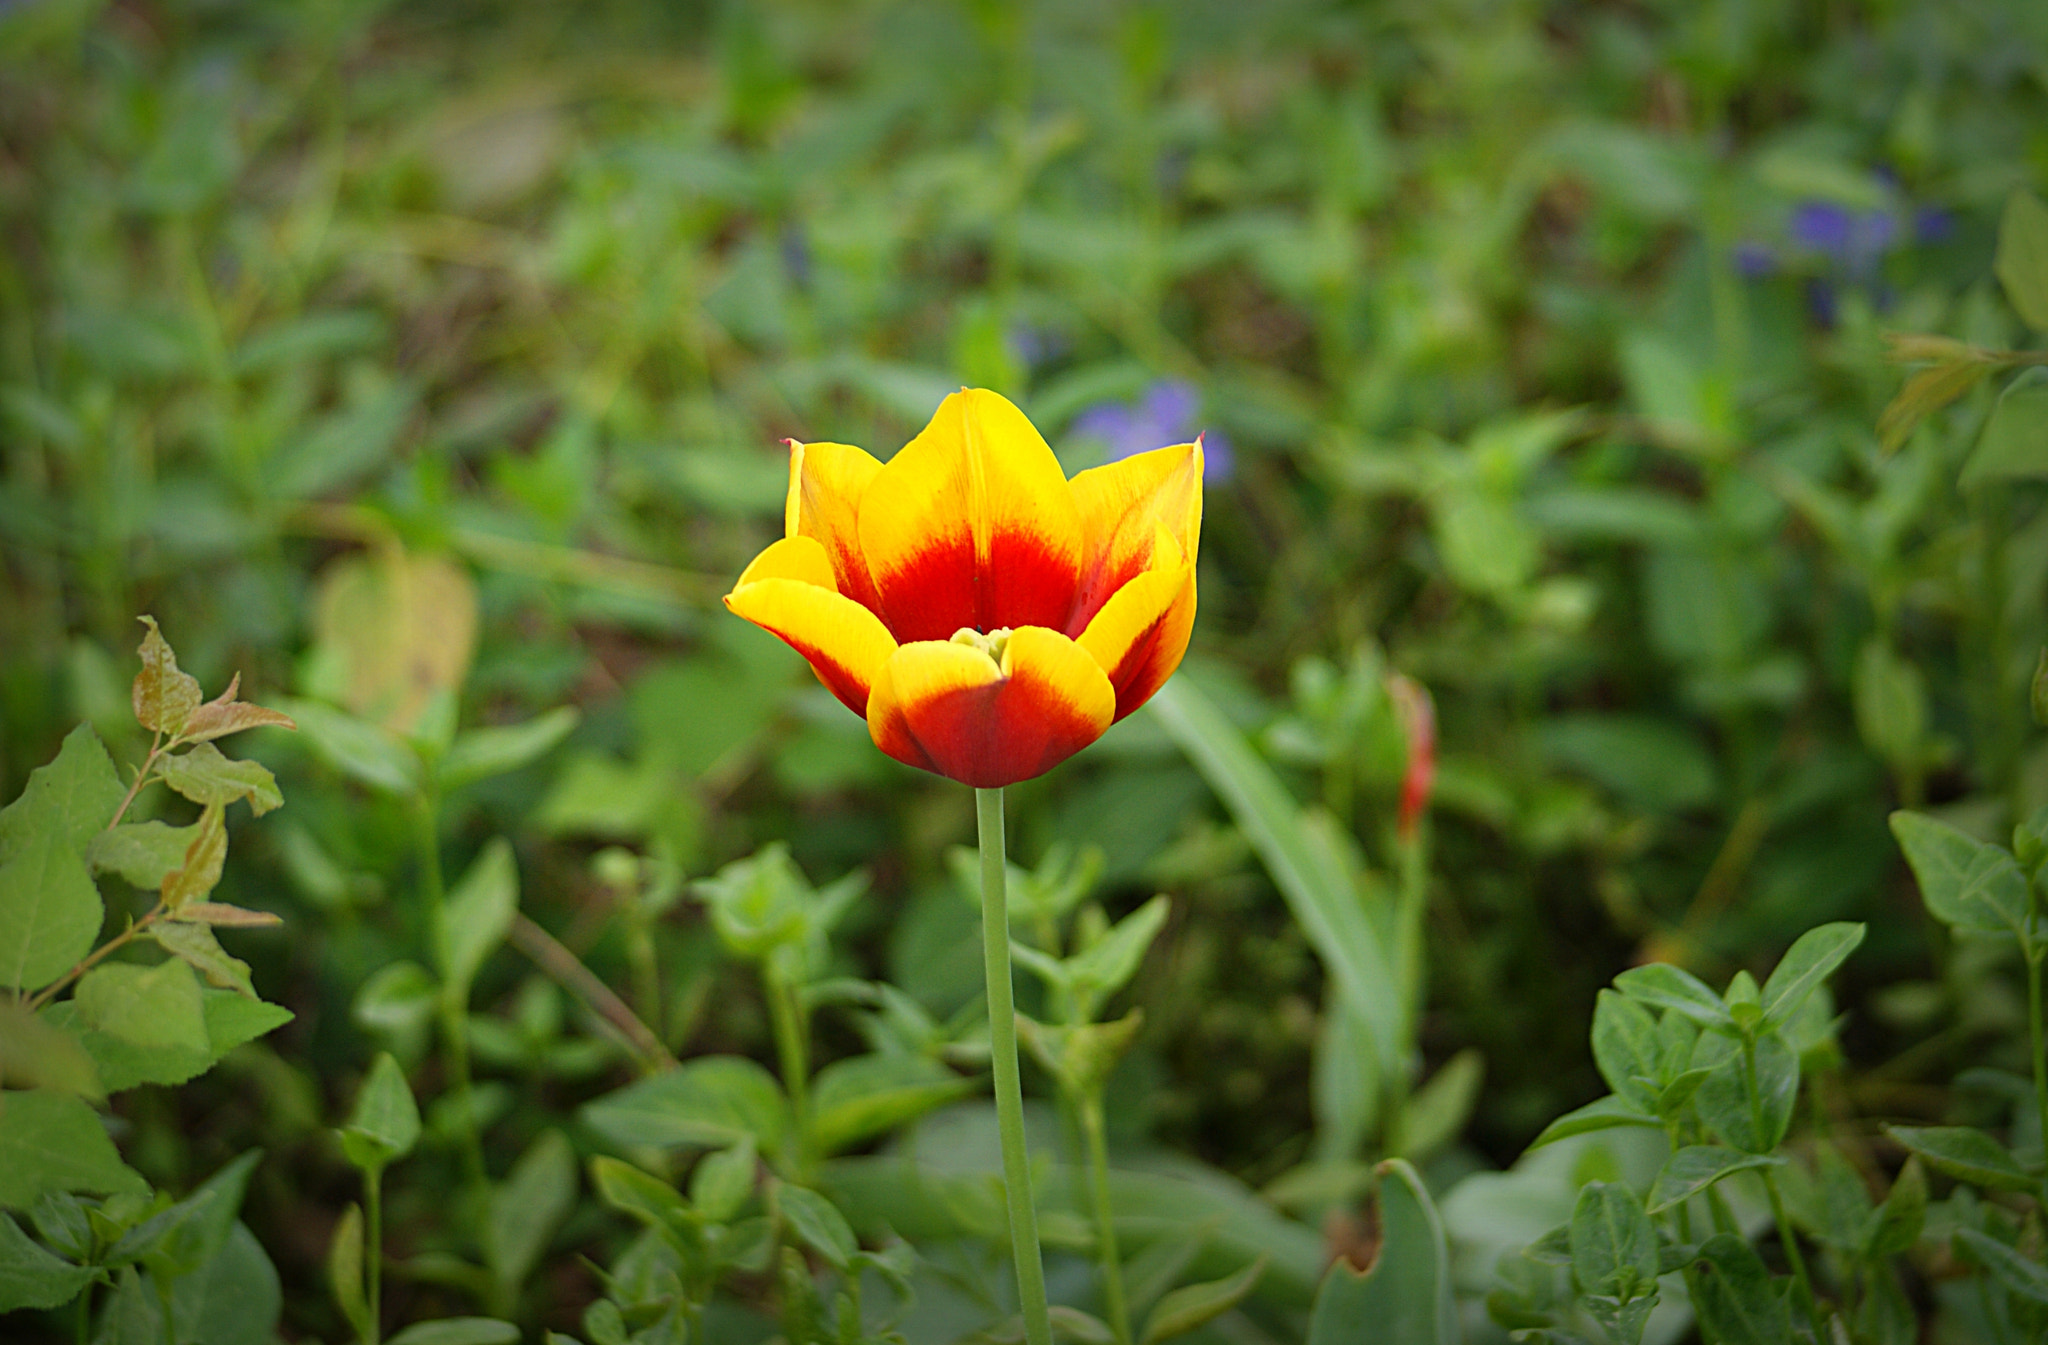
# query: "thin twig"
x,y
568,971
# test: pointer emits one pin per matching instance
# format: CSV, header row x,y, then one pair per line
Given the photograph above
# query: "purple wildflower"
x,y
1168,413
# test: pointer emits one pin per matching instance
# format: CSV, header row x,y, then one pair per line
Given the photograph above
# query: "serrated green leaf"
x,y
2022,258
154,1007
51,1142
231,1019
164,696
31,1276
50,912
210,779
141,853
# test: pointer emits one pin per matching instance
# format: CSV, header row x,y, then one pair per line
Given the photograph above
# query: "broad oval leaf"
x,y
711,1102
1663,986
857,1099
1964,882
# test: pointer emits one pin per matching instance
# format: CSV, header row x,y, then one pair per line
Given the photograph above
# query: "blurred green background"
x,y
385,349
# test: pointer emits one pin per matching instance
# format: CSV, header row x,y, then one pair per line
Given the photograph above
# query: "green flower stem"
x,y
1002,1040
791,1052
1105,1222
453,1006
2035,954
373,1253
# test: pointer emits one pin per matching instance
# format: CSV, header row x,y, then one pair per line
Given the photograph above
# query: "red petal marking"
x,y
949,709
1121,504
1141,632
826,484
787,591
972,525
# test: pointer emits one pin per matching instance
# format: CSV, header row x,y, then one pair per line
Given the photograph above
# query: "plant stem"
x,y
1105,1222
567,970
156,747
1002,1040
452,999
2035,954
1793,1256
94,958
790,1052
373,1259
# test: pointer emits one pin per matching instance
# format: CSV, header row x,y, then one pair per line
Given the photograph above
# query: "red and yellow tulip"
x,y
988,617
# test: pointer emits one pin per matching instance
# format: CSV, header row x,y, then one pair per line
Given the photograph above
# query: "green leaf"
x,y
2023,1277
1626,1048
51,1142
1695,1168
1734,1296
204,858
711,1102
1613,1244
1925,393
1811,959
1967,1154
1195,1305
856,1099
179,1240
722,1181
457,1331
345,1270
385,1124
31,1276
1321,896
35,1053
210,779
164,697
1724,1100
1600,1114
479,913
233,1299
527,1207
481,753
1102,968
1889,697
1664,986
70,800
1076,1325
818,1222
1965,883
50,912
357,748
142,853
1406,1296
158,1007
2014,445
2022,258
1899,1220
630,1191
194,945
397,998
231,1020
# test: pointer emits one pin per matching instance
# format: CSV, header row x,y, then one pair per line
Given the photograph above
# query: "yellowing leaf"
x,y
203,861
392,629
195,946
164,697
224,715
231,917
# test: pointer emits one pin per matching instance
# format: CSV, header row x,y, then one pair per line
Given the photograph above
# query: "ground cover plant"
x,y
1584,881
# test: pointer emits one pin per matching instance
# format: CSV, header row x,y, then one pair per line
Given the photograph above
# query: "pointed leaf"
x,y
200,872
357,748
1664,986
1964,882
711,1102
1810,960
1600,1114
1736,1299
479,754
2022,258
1406,1296
164,697
856,1099
2026,1278
479,913
157,1006
224,715
457,1331
1966,1154
1613,1243
210,779
31,1276
1194,1305
1695,1168
345,1270
197,948
386,1121
818,1222
142,853
50,1142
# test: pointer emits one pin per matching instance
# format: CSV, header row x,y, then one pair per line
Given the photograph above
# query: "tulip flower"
x,y
988,617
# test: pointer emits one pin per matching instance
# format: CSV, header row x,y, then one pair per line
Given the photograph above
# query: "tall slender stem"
x,y
1002,1040
373,1258
2035,954
1105,1222
453,1004
790,1051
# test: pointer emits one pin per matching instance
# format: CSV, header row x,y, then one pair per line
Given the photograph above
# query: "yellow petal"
x,y
951,709
798,558
1140,635
845,643
826,485
972,525
1121,505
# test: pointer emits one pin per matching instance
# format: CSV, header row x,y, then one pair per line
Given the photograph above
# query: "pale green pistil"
x,y
994,644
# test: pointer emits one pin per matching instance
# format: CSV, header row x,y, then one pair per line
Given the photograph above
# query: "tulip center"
x,y
994,644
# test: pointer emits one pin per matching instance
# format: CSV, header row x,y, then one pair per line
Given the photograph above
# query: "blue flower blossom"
x,y
1168,413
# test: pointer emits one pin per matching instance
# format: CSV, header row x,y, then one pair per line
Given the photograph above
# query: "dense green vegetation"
x,y
1653,389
